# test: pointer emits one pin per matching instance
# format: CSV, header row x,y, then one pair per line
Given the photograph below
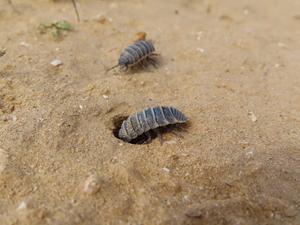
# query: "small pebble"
x,y
249,153
277,65
200,50
167,70
2,52
166,169
253,117
194,212
92,184
281,45
101,18
56,62
24,44
105,96
199,35
22,205
186,198
14,118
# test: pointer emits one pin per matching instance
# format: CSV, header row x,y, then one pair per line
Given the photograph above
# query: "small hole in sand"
x,y
142,139
117,122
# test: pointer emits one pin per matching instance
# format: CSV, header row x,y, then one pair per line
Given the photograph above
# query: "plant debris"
x,y
141,36
56,28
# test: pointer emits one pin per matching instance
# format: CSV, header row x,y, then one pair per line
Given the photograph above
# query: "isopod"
x,y
149,119
141,53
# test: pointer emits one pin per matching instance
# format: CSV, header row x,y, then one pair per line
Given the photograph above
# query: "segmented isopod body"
x,y
149,119
139,53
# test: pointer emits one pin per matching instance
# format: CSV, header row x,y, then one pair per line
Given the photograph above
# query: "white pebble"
x,y
23,205
249,153
277,65
81,107
105,96
200,50
167,70
186,198
92,184
14,118
56,62
24,44
166,169
253,117
243,142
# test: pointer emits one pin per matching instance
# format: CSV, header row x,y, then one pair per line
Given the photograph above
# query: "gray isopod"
x,y
148,119
139,53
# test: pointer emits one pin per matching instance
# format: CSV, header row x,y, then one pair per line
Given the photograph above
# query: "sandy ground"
x,y
231,66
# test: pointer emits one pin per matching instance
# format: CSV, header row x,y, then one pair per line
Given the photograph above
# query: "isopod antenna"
x,y
109,69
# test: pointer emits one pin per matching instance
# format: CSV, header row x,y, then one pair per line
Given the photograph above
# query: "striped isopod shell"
x,y
135,53
148,119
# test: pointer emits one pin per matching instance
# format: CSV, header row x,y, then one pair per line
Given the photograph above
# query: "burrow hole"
x,y
142,139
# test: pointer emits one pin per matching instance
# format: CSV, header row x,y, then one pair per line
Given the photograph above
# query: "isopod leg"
x,y
152,62
180,128
143,64
124,67
147,140
176,134
159,135
155,54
